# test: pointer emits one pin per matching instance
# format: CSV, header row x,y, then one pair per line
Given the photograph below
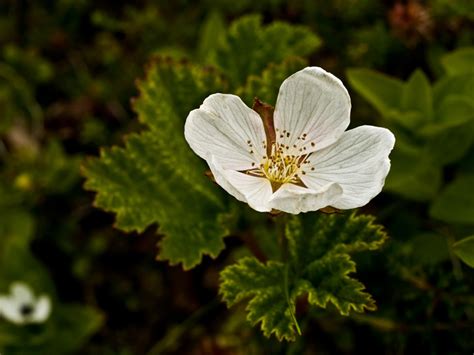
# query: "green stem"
x,y
287,295
281,226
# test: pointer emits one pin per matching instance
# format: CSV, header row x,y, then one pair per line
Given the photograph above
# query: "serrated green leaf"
x,y
318,265
156,178
266,86
455,204
171,89
382,91
263,283
417,96
327,280
335,233
459,61
464,249
250,46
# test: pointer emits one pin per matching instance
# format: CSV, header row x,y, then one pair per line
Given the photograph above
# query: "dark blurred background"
x,y
67,74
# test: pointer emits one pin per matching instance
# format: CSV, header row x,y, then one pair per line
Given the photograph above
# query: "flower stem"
x,y
287,295
280,221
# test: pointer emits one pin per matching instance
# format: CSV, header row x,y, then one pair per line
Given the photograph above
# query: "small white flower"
x,y
21,306
302,161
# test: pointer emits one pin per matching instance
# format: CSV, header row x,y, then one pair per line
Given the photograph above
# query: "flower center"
x,y
26,310
280,167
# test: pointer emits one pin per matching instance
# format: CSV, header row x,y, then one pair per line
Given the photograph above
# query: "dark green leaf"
x,y
454,123
413,175
428,248
156,178
455,204
464,249
417,96
211,37
460,61
459,85
382,91
448,143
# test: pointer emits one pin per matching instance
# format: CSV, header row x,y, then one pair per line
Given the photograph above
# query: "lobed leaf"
x,y
249,278
156,178
318,265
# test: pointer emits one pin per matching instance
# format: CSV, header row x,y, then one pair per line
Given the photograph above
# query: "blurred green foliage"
x,y
67,73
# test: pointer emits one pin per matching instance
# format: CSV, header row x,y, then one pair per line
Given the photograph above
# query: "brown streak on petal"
x,y
266,113
299,182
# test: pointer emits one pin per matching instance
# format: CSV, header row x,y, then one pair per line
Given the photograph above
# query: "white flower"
x,y
302,161
21,307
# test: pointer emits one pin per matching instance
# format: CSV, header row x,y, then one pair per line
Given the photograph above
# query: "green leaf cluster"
x,y
156,178
434,124
318,265
249,46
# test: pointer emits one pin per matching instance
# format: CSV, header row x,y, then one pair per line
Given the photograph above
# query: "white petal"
x,y
10,310
253,190
42,310
295,199
21,293
358,162
223,127
312,102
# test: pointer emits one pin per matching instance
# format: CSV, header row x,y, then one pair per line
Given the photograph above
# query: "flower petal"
x,y
10,310
295,199
224,127
253,190
21,293
312,110
358,162
42,310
